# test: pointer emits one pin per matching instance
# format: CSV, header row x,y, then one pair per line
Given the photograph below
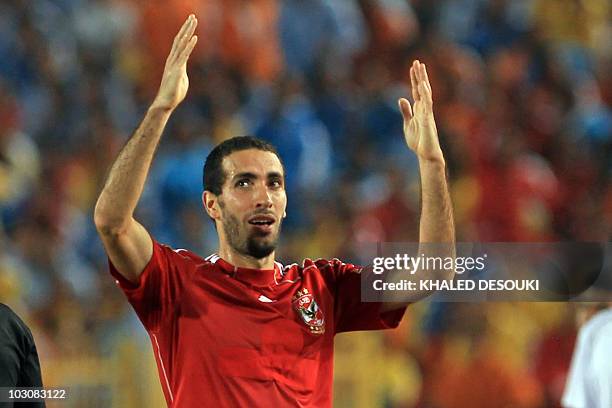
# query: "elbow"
x,y
107,223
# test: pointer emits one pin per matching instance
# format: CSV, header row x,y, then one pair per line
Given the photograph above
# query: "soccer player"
x,y
238,329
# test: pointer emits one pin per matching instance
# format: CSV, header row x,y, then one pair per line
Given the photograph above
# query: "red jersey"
x,y
235,337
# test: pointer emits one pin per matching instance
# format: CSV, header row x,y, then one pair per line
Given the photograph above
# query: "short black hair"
x,y
213,176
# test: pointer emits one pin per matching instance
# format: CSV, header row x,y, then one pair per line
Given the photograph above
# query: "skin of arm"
x,y
436,225
127,242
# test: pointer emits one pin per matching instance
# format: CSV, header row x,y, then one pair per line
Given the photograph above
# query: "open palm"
x,y
419,124
175,82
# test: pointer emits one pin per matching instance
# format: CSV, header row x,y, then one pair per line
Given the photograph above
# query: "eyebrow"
x,y
245,174
275,174
249,175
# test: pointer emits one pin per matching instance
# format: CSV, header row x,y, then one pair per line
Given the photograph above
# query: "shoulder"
x,y
337,265
326,263
600,324
185,256
598,331
7,315
332,267
595,341
10,322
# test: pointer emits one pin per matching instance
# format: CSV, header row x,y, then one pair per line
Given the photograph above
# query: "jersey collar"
x,y
256,277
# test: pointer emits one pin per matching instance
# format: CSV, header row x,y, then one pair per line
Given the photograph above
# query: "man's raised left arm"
x,y
437,228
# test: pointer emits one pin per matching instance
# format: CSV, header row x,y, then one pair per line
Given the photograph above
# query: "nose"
x,y
263,197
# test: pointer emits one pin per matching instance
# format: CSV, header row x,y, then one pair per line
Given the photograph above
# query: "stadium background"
x,y
522,96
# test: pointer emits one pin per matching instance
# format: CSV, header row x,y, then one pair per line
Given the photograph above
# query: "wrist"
x,y
161,107
433,163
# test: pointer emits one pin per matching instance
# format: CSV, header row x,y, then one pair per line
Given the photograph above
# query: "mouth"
x,y
262,222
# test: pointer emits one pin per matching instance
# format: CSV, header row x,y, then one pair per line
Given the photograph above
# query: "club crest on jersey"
x,y
310,312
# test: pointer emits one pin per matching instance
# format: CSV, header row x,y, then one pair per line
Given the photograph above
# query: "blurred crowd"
x,y
522,96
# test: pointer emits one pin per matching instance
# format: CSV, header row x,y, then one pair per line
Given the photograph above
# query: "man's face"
x,y
253,202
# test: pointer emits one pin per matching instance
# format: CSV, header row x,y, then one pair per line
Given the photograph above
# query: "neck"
x,y
245,261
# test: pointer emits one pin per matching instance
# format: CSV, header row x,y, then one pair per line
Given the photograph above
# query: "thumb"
x,y
405,108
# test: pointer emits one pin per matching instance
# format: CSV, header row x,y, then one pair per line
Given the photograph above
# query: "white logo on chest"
x,y
265,299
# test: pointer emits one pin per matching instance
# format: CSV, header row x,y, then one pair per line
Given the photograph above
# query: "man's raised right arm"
x,y
127,242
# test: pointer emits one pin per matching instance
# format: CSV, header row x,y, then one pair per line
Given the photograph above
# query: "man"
x,y
237,328
19,366
589,381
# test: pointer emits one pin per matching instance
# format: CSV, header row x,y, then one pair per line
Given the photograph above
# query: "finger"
x,y
424,88
185,41
184,56
419,71
180,37
424,92
189,31
405,109
183,28
423,74
427,83
186,37
415,66
414,83
177,38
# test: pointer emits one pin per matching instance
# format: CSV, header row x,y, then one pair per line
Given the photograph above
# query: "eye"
x,y
276,183
242,183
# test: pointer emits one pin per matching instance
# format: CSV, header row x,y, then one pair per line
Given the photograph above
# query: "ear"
x,y
211,205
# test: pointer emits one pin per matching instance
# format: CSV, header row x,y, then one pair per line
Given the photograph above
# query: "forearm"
x,y
437,227
126,179
436,236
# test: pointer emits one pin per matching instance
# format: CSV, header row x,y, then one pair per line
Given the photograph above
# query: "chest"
x,y
291,318
282,333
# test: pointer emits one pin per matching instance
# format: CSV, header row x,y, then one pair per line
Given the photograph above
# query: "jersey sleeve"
x,y
350,313
156,295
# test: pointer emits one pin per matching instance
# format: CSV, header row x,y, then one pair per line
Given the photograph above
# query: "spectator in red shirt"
x,y
238,328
